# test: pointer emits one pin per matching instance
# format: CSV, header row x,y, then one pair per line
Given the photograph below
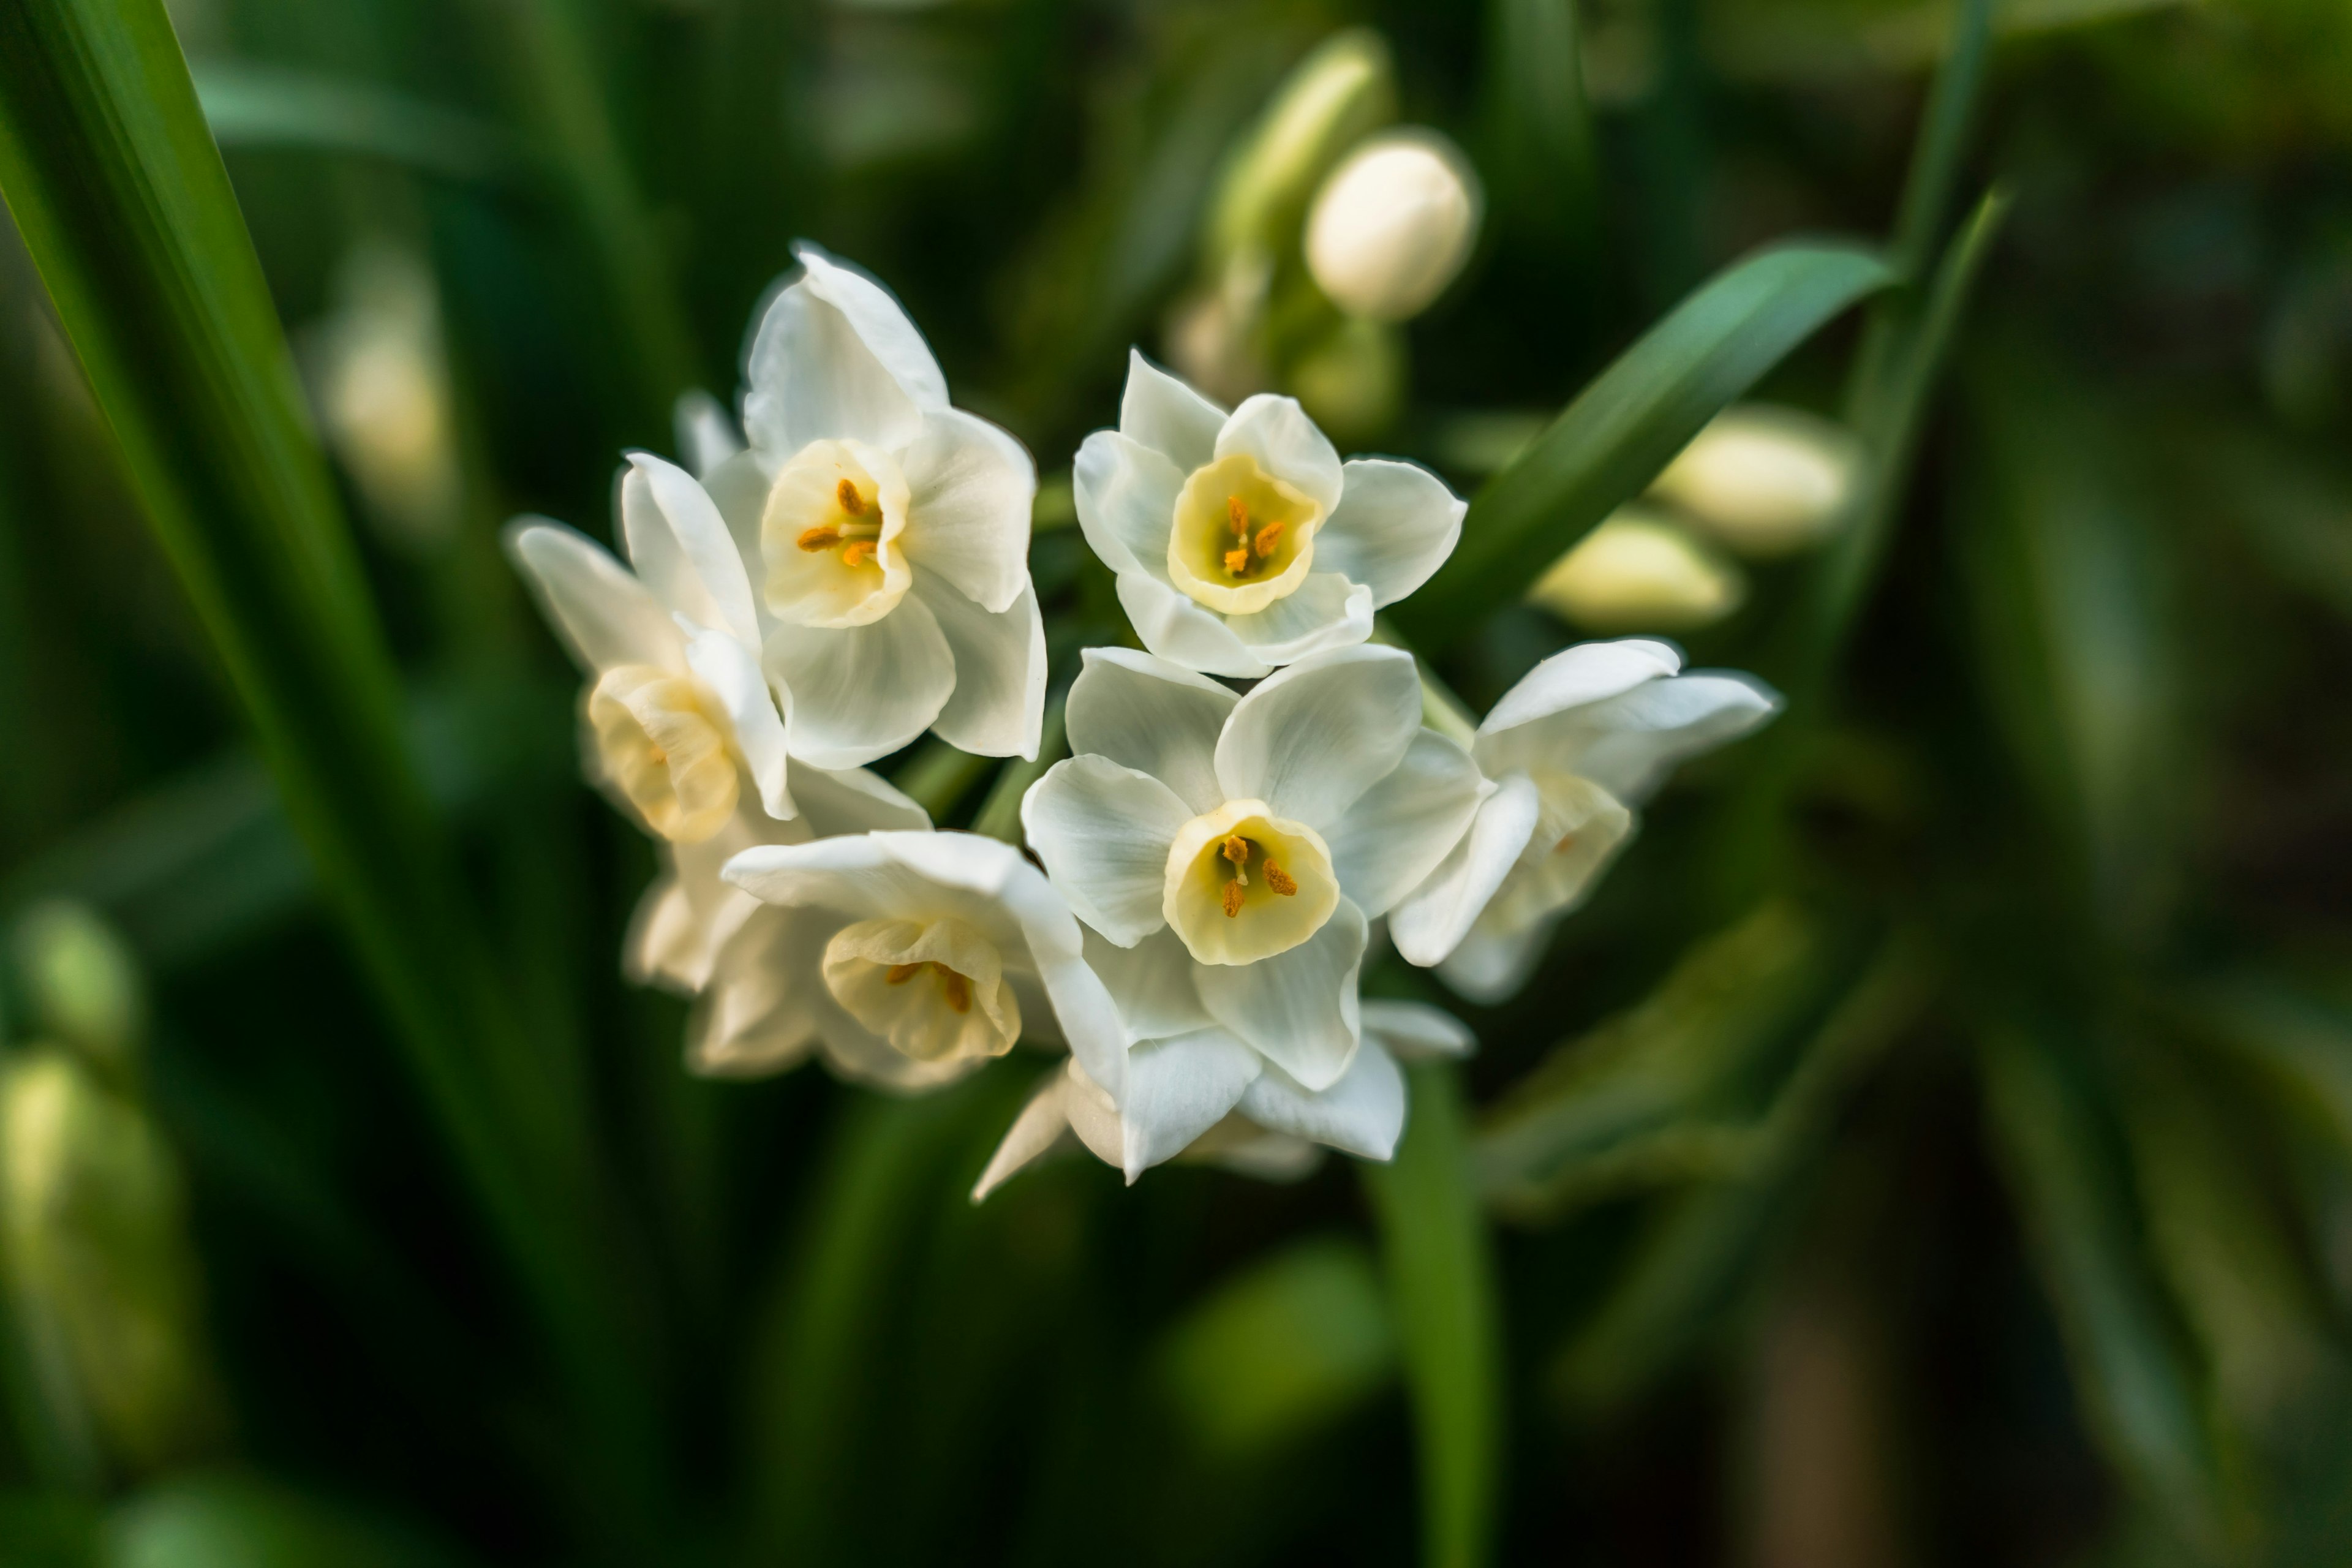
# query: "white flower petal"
x,y
1417,1032
1328,612
1363,1113
856,693
605,616
853,800
681,550
1628,743
1489,967
969,488
1173,626
1298,1008
1313,737
1126,496
690,912
1103,832
1167,415
728,668
1042,1126
1177,1089
739,488
861,1056
1276,432
1437,916
1574,677
1403,827
706,435
1154,716
1395,525
1151,983
836,357
763,1009
998,707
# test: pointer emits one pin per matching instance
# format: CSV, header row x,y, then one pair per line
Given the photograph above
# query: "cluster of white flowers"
x,y
1218,864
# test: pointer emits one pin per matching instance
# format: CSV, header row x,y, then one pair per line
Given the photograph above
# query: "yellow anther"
x,y
1237,560
1237,849
1233,899
1565,840
1238,515
899,973
1280,880
955,987
851,502
855,553
1267,537
820,537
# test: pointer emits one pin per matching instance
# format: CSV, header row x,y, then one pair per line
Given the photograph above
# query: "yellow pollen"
x,y
955,987
1280,880
1237,849
820,537
1237,560
1233,899
1267,537
855,553
1565,840
851,502
1238,515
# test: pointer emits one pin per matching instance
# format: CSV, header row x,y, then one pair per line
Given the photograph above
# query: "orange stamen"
x,y
899,973
1233,899
1237,849
819,538
1237,560
1565,840
851,502
1238,515
1267,537
1280,880
955,987
855,553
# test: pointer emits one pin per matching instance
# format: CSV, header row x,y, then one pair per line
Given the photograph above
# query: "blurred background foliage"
x,y
1934,1144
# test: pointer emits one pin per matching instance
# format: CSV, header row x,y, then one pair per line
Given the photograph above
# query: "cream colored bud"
x,y
1346,88
382,387
1639,572
81,984
1764,480
1393,225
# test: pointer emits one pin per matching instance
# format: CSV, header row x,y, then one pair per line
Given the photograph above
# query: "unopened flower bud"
x,y
80,985
1342,90
383,386
1764,480
1638,572
1393,225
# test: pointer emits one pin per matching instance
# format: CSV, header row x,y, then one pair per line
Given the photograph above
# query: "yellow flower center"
x,y
663,741
830,536
934,990
1244,884
1241,538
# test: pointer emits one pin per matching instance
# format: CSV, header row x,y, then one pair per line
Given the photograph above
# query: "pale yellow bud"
x,y
1393,225
1764,480
384,394
1638,572
80,984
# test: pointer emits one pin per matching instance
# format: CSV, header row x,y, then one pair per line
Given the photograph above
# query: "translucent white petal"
x,y
1417,1032
1398,831
1581,675
856,693
681,550
1151,983
970,487
732,673
998,707
1327,612
739,488
1395,525
1361,1113
1287,444
1154,716
1489,967
1125,495
605,616
853,800
690,912
835,356
764,1005
1173,626
1628,743
1103,832
1313,737
1177,1089
707,436
1042,1126
1433,919
1165,414
1297,1009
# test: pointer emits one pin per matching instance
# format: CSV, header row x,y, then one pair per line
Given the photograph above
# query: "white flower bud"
x,y
1764,480
383,386
1338,93
1638,572
1393,224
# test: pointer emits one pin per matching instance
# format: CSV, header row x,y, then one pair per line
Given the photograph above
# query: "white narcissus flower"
x,y
678,712
886,534
910,958
1275,1133
1227,854
1241,542
1585,738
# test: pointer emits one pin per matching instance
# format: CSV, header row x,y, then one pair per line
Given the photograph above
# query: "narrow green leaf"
x,y
2141,1392
119,190
263,106
1633,417
216,1521
2300,1043
1943,139
1440,1276
1544,172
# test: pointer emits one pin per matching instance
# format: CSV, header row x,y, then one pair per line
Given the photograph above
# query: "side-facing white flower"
x,y
910,958
677,710
1227,854
1241,542
1585,738
1273,1134
885,533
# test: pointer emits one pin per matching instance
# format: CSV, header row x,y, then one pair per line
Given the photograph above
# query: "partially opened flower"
x,y
1275,1132
678,713
1585,738
1241,542
908,959
1229,852
886,534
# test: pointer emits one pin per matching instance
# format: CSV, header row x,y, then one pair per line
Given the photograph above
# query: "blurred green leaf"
x,y
119,190
1440,1276
234,1520
1543,161
2142,1393
1634,416
49,1531
2292,504
261,106
2298,1041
